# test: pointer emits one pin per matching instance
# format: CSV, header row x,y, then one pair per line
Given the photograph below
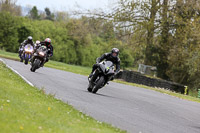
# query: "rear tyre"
x,y
98,84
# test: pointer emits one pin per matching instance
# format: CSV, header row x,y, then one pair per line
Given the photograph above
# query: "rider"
x,y
113,56
47,43
37,44
24,43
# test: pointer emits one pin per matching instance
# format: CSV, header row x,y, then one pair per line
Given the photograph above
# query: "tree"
x,y
163,47
185,44
8,32
61,16
49,15
10,6
33,14
23,33
128,14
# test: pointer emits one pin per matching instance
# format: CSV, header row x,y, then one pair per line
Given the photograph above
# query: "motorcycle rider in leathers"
x,y
113,56
23,44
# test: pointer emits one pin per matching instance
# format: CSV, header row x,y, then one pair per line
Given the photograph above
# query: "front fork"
x,y
27,54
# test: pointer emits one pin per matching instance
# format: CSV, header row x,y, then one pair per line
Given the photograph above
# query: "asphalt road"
x,y
134,109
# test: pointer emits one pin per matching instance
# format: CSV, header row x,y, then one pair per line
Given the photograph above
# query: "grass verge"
x,y
86,70
52,64
26,109
70,68
9,55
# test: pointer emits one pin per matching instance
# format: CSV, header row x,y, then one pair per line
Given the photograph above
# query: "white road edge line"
x,y
17,73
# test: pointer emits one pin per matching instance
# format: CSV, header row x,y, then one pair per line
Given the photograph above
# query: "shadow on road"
x,y
196,127
99,94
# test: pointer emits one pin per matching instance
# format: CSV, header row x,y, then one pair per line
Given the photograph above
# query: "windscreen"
x,y
29,47
108,64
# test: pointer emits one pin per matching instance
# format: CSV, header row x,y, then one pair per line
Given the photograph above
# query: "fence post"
x,y
186,90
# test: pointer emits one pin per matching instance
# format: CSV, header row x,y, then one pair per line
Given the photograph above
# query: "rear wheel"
x,y
98,84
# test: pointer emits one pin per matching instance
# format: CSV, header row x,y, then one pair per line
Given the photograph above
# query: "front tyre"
x,y
26,59
98,85
35,65
89,88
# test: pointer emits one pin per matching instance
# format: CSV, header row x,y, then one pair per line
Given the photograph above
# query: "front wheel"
x,y
89,88
26,59
98,84
35,65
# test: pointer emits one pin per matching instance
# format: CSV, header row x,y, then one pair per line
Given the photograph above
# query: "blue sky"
x,y
66,5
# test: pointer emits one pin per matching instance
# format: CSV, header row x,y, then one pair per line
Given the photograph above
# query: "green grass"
x,y
25,109
53,64
86,70
8,55
70,68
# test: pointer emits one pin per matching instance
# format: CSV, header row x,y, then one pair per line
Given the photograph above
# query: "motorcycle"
x,y
27,54
101,76
39,56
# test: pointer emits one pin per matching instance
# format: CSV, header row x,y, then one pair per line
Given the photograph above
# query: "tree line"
x,y
161,33
76,40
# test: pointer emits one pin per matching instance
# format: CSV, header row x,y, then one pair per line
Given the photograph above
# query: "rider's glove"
x,y
49,55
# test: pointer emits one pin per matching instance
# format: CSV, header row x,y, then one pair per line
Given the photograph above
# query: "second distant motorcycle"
x,y
38,58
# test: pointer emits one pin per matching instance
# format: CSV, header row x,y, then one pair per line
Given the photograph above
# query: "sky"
x,y
66,5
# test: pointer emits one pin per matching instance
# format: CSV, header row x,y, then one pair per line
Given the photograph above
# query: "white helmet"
x,y
30,38
37,42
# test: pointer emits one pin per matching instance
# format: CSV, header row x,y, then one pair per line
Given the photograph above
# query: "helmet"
x,y
37,42
47,41
115,52
30,38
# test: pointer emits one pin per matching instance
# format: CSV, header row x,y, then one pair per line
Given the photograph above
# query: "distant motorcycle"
x,y
101,76
27,54
39,56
